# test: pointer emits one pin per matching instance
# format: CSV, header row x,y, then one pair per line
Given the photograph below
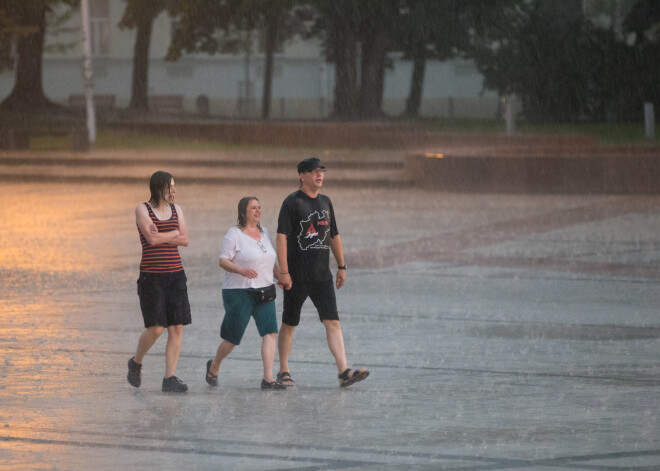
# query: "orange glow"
x,y
433,156
48,230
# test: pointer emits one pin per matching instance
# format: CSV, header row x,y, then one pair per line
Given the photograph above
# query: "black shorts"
x,y
164,299
321,293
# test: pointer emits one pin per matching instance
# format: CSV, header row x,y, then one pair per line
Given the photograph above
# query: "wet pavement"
x,y
503,332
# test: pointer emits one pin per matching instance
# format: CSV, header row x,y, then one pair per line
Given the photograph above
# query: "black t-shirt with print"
x,y
308,223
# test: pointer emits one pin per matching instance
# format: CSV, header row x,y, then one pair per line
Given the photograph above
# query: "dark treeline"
x,y
559,63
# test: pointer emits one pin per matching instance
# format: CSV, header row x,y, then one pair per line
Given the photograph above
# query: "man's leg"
x,y
336,343
173,348
147,340
292,303
284,343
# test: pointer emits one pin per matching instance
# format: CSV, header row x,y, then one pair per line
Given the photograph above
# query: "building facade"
x,y
231,86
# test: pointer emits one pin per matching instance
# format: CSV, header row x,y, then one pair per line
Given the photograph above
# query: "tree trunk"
x,y
342,50
271,43
27,96
343,45
374,54
416,85
140,84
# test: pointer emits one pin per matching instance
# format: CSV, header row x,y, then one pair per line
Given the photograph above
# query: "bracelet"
x,y
284,273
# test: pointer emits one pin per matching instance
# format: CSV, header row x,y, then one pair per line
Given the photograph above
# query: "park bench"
x,y
165,103
101,102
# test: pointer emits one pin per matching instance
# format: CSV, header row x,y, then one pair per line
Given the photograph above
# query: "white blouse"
x,y
246,252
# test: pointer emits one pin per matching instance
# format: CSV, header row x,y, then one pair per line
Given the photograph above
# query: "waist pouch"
x,y
263,295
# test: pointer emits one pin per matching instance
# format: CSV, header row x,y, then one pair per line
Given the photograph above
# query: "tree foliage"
x,y
356,36
337,24
563,67
201,24
226,26
24,22
537,53
643,57
644,20
8,31
140,15
429,29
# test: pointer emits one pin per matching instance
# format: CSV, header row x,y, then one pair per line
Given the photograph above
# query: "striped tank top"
x,y
161,258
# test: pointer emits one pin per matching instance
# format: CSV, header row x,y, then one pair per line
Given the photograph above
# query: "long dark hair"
x,y
242,212
159,183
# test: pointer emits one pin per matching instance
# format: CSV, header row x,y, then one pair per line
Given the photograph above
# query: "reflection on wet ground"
x,y
502,332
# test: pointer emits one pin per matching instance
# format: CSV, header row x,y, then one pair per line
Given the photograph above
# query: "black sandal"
x,y
346,378
210,377
285,376
274,385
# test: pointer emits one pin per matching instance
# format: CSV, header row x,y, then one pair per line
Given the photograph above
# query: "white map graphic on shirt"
x,y
310,237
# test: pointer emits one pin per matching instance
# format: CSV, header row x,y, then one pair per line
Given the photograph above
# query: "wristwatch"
x,y
343,267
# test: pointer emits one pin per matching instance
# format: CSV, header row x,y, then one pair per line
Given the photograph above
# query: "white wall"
x,y
303,83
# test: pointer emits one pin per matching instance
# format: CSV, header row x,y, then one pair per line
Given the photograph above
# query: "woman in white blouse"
x,y
248,257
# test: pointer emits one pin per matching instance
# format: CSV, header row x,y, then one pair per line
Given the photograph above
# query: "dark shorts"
x,y
239,307
164,299
321,293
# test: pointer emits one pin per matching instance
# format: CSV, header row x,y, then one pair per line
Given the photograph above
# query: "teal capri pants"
x,y
239,307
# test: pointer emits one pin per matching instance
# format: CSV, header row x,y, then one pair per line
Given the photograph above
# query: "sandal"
x,y
210,377
285,376
274,385
350,376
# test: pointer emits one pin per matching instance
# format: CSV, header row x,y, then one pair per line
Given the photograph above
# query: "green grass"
x,y
608,134
110,139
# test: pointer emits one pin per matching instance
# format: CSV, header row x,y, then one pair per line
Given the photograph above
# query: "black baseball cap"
x,y
310,164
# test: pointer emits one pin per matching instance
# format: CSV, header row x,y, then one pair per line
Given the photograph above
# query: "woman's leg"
x,y
147,340
224,349
173,348
268,343
237,303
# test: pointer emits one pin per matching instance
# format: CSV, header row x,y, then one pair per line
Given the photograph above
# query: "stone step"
x,y
245,167
245,159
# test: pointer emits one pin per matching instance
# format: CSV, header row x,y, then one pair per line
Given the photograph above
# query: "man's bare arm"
x,y
338,253
284,279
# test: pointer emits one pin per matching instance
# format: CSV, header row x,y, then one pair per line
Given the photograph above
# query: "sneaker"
x,y
134,372
174,384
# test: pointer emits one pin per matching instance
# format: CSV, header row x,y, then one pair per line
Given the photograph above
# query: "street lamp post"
x,y
88,71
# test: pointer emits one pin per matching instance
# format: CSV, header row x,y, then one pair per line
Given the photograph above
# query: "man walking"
x,y
306,233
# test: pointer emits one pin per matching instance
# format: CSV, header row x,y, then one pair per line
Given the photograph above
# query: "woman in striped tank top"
x,y
162,284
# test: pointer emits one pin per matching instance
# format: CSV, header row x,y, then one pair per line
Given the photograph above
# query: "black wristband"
x,y
343,267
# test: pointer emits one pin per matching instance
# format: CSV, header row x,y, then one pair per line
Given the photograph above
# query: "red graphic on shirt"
x,y
311,232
